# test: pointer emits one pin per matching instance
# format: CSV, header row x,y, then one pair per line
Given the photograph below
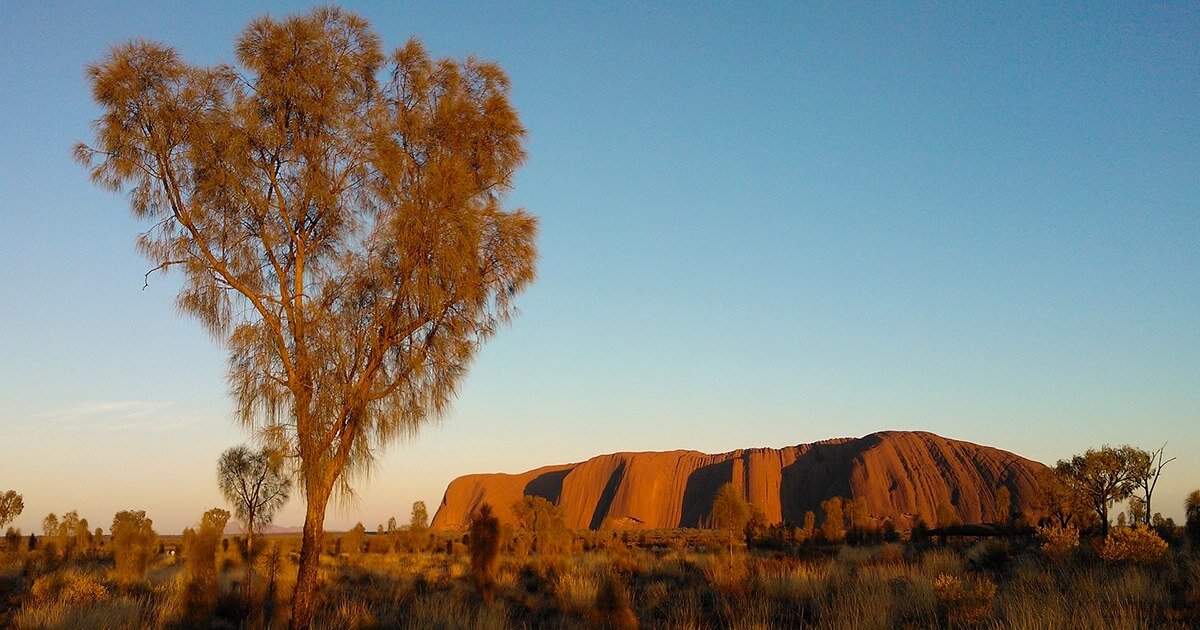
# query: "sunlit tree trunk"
x,y
303,600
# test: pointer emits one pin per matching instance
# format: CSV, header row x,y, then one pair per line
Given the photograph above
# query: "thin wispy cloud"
x,y
122,409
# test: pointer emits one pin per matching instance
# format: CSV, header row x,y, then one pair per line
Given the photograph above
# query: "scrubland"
x,y
615,582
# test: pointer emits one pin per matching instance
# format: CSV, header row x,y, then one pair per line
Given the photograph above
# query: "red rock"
x,y
901,473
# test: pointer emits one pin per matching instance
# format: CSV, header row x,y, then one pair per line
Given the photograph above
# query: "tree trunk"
x,y
247,589
303,597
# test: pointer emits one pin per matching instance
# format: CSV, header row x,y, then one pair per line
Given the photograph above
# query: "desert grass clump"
x,y
964,600
612,604
1139,545
576,590
484,543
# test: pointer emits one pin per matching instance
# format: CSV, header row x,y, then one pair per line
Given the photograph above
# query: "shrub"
x,y
1138,545
833,528
201,592
133,542
964,601
70,586
484,537
545,522
1191,506
1058,542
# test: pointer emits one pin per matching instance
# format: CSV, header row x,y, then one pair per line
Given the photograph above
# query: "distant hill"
x,y
901,474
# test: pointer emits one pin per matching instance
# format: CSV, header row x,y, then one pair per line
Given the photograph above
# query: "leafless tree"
x,y
1148,469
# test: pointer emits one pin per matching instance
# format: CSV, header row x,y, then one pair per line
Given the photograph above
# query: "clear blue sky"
x,y
762,224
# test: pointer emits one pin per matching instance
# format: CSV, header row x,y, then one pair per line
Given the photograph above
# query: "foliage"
x,y
1058,542
1138,544
133,542
730,511
1191,507
544,523
70,586
201,553
483,540
50,525
419,521
255,484
1059,499
964,601
1003,504
1103,476
947,516
833,528
810,525
355,539
338,218
858,516
11,506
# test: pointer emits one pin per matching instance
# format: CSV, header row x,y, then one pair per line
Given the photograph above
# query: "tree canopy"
x,y
11,506
1104,476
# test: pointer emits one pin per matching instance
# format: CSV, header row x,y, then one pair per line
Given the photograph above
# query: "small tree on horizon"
x,y
257,486
11,506
419,521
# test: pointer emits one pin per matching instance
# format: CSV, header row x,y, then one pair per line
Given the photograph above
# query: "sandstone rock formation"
x,y
901,474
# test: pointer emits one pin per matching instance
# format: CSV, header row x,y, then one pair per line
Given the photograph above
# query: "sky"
x,y
762,224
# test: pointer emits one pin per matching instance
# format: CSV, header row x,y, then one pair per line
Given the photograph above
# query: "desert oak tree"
x,y
338,218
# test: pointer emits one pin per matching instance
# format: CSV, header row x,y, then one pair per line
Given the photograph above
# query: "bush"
x,y
133,542
71,587
1058,543
484,538
964,601
1138,545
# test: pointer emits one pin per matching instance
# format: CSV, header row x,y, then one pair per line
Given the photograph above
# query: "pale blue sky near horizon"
x,y
761,224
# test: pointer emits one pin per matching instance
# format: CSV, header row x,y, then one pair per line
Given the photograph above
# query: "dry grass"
x,y
992,585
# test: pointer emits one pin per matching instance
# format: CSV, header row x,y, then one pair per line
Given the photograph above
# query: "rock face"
x,y
901,474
